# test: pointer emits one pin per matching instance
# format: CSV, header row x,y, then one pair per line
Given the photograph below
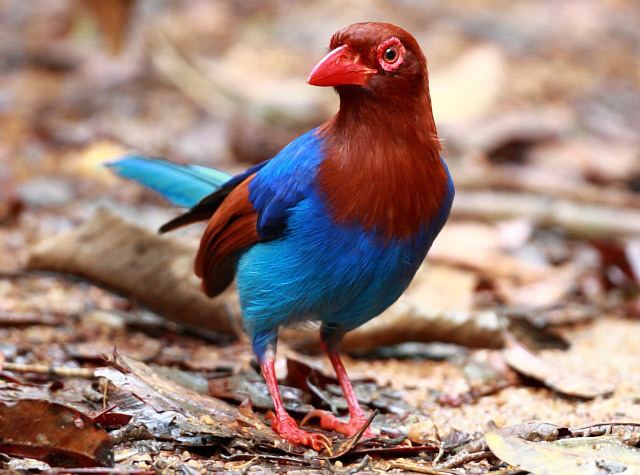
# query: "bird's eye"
x,y
390,54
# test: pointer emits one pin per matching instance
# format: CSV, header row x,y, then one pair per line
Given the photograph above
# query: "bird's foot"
x,y
287,428
328,421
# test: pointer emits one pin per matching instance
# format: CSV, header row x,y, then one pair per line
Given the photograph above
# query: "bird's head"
x,y
379,58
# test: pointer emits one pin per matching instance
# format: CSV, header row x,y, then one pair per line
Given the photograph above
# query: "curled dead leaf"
x,y
54,433
569,456
171,411
561,380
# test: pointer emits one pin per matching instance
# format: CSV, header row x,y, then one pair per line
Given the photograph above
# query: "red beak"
x,y
340,67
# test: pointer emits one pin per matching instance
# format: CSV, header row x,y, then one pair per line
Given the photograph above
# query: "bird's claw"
x,y
328,421
287,428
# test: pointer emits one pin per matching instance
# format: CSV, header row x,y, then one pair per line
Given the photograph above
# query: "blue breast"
x,y
311,268
322,271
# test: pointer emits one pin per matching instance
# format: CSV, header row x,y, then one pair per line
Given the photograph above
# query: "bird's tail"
x,y
182,185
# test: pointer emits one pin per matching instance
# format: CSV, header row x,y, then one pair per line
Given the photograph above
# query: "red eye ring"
x,y
390,54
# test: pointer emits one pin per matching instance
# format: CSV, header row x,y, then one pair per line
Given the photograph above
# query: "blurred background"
x,y
550,85
537,103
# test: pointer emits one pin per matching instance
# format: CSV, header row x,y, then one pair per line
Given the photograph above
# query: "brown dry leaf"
x,y
163,394
443,288
53,433
542,293
135,345
212,358
579,456
562,380
478,246
177,411
156,271
407,320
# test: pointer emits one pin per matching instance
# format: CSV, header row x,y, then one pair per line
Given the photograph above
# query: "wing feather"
x,y
251,208
232,228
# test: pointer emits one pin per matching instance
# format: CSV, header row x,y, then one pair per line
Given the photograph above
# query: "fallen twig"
x,y
128,433
62,371
506,471
412,467
15,319
582,220
463,458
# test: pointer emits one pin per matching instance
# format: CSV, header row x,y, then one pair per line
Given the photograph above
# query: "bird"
x,y
333,228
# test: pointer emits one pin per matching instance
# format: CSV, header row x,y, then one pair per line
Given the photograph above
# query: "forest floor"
x,y
514,351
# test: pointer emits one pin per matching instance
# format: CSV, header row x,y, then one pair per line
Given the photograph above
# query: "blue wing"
x,y
284,181
182,185
279,184
196,187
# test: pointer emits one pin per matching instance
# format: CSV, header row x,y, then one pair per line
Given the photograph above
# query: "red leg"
x,y
283,424
356,415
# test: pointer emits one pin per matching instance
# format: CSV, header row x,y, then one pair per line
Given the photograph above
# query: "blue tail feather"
x,y
182,185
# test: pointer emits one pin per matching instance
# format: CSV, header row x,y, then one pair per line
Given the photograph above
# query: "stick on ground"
x,y
156,272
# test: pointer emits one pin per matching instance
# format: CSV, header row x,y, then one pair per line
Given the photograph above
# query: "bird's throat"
x,y
395,147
